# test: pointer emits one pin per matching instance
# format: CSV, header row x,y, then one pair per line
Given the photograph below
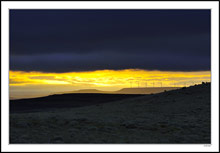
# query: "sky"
x,y
58,43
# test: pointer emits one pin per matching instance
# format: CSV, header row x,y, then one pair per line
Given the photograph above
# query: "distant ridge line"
x,y
140,90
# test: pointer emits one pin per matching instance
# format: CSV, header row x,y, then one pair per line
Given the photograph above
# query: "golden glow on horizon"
x,y
32,84
110,78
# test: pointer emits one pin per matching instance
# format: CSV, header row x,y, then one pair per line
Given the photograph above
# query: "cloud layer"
x,y
86,40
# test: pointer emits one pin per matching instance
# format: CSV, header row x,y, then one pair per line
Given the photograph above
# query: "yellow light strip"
x,y
110,78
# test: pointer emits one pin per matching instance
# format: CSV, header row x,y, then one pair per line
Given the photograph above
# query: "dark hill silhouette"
x,y
64,101
181,116
146,90
84,98
88,91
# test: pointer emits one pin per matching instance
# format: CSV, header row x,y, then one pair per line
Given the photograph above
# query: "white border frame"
x,y
111,5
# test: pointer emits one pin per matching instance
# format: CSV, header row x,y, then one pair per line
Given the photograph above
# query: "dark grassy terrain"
x,y
180,116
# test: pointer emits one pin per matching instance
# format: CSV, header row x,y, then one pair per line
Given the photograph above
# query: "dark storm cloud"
x,y
84,40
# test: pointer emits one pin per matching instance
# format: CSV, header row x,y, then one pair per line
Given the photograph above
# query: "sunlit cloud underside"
x,y
109,80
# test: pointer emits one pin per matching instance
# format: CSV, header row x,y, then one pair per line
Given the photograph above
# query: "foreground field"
x,y
179,116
